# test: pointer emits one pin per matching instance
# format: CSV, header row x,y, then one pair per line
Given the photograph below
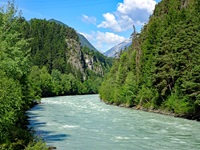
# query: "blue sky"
x,y
104,23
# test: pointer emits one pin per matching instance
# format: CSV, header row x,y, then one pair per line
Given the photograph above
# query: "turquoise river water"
x,y
86,123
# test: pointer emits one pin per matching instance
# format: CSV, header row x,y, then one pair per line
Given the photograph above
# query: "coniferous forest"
x,y
161,70
59,64
41,58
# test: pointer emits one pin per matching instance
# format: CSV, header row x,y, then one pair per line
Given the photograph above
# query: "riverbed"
x,y
85,123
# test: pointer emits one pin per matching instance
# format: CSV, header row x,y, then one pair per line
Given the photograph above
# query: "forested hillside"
x,y
84,42
162,68
60,64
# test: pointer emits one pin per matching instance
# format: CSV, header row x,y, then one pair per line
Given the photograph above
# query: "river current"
x,y
86,123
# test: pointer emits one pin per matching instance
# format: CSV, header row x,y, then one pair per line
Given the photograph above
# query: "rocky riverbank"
x,y
159,111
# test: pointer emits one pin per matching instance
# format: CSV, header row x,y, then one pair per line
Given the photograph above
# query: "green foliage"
x,y
35,81
177,105
161,69
10,105
14,50
37,145
15,91
56,83
48,47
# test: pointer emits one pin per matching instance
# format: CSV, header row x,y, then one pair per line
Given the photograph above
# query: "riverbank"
x,y
40,142
158,111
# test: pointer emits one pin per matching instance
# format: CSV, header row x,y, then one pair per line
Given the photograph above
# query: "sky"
x,y
105,23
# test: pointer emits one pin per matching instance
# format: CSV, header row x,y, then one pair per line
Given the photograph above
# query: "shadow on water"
x,y
50,137
34,123
37,107
38,128
55,137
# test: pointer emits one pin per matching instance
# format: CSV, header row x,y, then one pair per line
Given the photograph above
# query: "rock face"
x,y
74,54
82,61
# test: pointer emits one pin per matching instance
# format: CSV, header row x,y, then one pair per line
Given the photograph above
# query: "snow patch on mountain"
x,y
113,52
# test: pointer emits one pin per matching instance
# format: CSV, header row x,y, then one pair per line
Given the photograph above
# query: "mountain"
x,y
58,22
58,57
160,71
116,49
83,40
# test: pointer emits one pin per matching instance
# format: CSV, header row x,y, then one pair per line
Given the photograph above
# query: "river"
x,y
86,123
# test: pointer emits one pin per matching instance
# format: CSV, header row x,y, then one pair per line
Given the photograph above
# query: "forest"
x,y
161,70
58,61
40,58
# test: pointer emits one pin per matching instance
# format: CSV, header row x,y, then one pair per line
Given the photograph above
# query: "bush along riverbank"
x,y
159,111
17,94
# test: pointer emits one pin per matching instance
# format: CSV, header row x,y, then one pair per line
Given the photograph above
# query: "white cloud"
x,y
130,5
128,13
88,36
109,38
88,19
104,41
110,21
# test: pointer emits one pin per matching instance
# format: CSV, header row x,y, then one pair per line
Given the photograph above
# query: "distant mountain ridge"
x,y
116,49
83,40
